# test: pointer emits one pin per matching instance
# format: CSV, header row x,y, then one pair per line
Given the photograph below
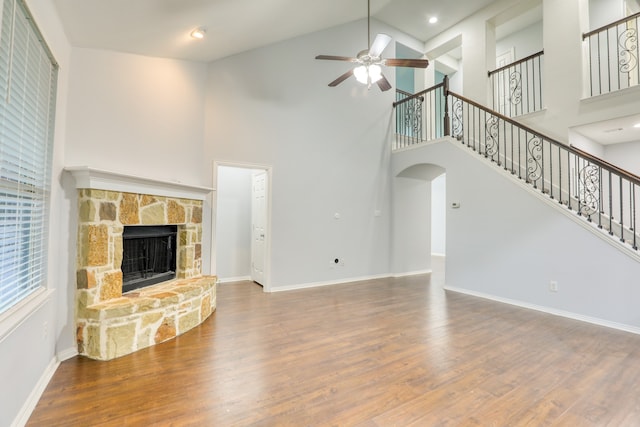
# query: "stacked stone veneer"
x,y
111,324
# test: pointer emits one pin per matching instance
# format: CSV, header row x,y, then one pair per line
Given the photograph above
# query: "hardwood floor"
x,y
389,352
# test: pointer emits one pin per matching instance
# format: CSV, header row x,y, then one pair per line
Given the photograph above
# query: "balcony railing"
x,y
613,54
603,194
420,117
517,87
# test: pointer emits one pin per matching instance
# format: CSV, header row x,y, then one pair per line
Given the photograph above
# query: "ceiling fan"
x,y
369,68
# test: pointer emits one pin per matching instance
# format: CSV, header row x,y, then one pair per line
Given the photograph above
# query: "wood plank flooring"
x,y
389,352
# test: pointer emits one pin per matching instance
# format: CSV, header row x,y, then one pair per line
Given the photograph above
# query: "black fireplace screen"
x,y
148,256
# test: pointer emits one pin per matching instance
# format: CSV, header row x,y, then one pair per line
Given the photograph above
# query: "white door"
x,y
258,222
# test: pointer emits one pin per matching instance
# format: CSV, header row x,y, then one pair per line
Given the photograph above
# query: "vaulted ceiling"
x,y
162,27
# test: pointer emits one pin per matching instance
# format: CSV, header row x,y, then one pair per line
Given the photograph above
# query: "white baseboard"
x,y
548,310
328,283
31,402
67,353
234,279
412,273
438,255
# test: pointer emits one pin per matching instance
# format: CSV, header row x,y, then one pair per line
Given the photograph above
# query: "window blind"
x,y
28,76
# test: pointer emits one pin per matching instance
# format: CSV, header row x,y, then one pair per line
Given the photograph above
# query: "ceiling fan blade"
x,y
337,58
383,84
379,44
340,79
412,63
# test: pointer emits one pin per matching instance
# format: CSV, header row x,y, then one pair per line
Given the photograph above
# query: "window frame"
x,y
39,194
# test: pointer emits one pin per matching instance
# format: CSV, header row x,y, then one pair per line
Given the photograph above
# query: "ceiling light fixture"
x,y
637,125
367,75
433,20
198,33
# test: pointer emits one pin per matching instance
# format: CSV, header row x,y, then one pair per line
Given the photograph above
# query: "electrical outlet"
x,y
553,286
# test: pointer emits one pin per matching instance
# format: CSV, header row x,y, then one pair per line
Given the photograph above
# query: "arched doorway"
x,y
419,220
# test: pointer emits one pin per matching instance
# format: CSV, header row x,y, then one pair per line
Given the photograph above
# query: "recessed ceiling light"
x,y
198,33
637,125
433,20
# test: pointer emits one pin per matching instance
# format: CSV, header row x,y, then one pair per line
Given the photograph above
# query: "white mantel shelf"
x,y
97,179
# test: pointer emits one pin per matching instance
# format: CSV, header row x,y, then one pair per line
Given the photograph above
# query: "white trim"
x,y
555,312
86,177
16,315
234,279
31,402
67,353
328,283
412,273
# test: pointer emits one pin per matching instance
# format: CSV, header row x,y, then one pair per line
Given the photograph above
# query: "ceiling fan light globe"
x,y
375,73
361,74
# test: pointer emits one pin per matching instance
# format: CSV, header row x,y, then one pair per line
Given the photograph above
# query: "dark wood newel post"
x,y
447,130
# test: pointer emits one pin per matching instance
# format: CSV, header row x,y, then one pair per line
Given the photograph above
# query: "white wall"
x,y
138,115
233,223
526,41
603,12
328,147
582,142
28,352
439,215
625,155
505,243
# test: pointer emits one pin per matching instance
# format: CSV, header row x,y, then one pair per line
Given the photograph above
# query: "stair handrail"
x,y
611,25
514,63
595,159
417,94
570,148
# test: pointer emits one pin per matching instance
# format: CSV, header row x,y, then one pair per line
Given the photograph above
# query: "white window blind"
x,y
28,75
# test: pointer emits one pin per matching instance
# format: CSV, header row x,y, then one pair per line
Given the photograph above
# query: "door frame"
x,y
266,286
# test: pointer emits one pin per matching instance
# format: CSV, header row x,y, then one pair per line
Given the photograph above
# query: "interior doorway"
x,y
241,223
419,224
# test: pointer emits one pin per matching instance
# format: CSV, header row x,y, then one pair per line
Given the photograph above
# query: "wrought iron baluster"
x,y
627,59
534,160
621,211
550,171
633,205
599,68
600,198
610,205
456,114
590,190
569,181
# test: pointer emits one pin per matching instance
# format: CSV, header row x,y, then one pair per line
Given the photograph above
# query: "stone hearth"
x,y
109,323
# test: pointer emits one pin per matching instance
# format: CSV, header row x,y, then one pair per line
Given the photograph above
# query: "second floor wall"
x,y
567,102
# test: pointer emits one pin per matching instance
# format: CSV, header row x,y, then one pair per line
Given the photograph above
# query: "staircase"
x,y
598,192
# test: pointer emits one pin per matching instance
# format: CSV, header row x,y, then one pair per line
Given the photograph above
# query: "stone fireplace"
x,y
111,323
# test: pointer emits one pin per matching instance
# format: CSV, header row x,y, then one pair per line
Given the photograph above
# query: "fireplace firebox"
x,y
148,256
